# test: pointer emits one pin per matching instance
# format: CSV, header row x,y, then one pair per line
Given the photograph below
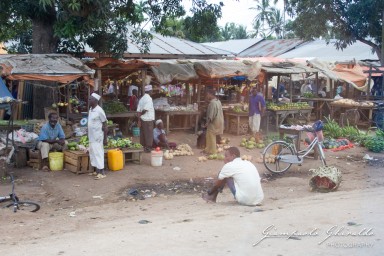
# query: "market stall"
x,y
360,112
297,111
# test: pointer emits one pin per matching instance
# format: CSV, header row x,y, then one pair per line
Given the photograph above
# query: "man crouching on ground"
x,y
241,177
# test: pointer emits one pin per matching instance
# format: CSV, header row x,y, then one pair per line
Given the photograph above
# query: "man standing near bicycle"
x,y
256,110
241,177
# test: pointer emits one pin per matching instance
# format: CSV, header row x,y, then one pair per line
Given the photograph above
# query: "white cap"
x,y
96,96
158,121
148,88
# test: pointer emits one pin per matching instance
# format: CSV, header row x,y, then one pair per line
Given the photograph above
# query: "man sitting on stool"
x,y
51,137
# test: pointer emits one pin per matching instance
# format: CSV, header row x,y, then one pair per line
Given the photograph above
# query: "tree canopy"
x,y
347,21
62,25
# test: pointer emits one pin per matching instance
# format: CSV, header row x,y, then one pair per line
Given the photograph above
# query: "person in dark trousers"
x,y
146,114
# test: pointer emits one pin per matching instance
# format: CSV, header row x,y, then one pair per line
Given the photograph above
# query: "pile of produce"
x,y
112,143
119,143
374,144
73,146
246,158
350,102
337,145
251,143
240,108
84,141
182,150
287,106
308,95
168,155
113,107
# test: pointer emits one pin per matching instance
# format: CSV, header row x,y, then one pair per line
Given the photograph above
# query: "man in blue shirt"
x,y
256,110
51,137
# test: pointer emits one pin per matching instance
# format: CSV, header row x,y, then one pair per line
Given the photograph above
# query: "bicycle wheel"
x,y
272,155
25,206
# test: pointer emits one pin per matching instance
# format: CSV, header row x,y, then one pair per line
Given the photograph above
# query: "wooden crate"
x,y
133,155
77,162
35,160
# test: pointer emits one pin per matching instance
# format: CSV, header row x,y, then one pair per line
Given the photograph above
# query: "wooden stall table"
x,y
282,114
122,119
283,131
186,114
228,115
321,104
360,109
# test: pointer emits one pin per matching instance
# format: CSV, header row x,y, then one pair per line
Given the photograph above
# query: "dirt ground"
x,y
83,216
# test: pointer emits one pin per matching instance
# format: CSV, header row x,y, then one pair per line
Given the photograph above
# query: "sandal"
x,y
45,168
92,174
100,176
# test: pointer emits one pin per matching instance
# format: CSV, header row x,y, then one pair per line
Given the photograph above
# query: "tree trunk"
x,y
43,39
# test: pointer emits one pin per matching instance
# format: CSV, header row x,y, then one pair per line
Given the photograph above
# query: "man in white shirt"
x,y
146,114
241,177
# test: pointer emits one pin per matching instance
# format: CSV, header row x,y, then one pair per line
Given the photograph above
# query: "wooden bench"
x,y
129,155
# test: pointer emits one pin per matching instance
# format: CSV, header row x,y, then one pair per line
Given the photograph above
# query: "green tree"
x,y
346,21
103,24
233,31
276,22
268,20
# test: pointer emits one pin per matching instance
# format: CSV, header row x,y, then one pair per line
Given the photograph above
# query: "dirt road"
x,y
81,216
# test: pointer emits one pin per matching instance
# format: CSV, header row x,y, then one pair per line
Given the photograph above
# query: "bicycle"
x,y
16,203
279,156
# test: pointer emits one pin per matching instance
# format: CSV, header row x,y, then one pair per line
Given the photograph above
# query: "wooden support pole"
x,y
369,81
143,78
100,89
20,93
188,94
278,89
290,87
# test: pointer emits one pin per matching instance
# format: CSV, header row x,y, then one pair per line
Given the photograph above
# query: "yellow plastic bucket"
x,y
56,161
115,160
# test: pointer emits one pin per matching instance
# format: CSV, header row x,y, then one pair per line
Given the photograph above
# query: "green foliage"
x,y
332,129
380,133
374,144
347,21
103,24
269,20
351,133
233,31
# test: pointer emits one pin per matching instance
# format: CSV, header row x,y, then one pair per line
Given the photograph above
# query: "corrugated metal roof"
x,y
320,50
235,46
48,64
270,48
175,46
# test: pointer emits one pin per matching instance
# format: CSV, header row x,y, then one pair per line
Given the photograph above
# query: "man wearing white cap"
x,y
146,114
97,135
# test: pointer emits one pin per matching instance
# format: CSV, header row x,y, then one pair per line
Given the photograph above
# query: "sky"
x,y
236,11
